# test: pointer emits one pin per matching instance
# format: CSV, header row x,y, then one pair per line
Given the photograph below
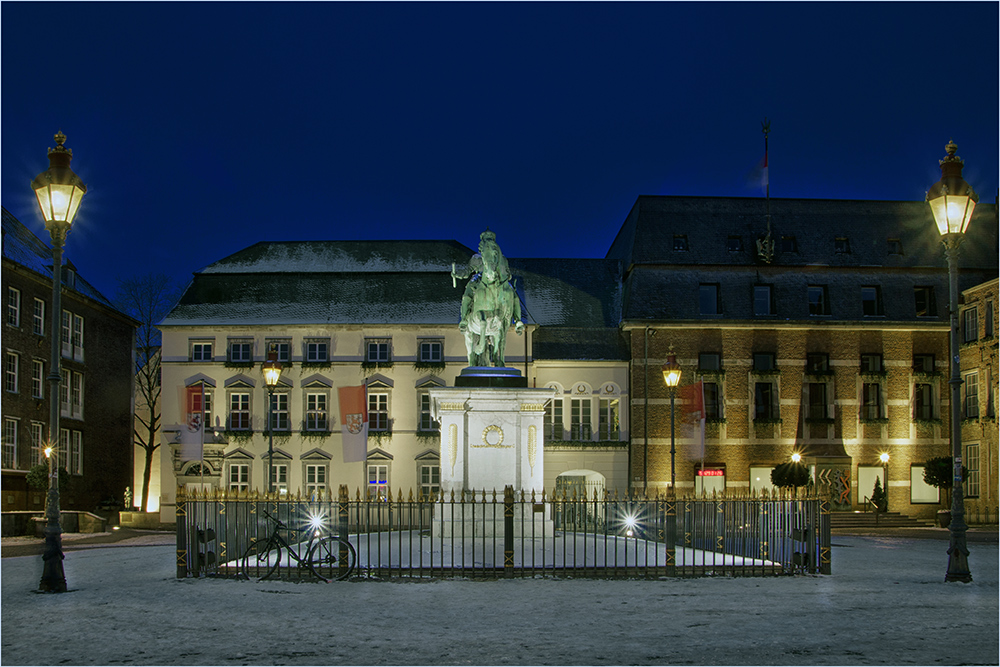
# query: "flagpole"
x,y
201,437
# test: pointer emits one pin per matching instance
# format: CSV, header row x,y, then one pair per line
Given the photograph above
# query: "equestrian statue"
x,y
489,304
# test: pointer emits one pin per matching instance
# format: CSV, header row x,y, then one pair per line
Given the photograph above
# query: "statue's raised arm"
x,y
489,305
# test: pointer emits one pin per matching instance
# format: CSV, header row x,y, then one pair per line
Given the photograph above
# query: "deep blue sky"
x,y
201,128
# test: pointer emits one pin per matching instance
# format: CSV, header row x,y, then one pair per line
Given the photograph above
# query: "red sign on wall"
x,y
711,473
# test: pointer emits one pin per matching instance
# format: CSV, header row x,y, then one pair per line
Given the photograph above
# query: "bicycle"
x,y
320,554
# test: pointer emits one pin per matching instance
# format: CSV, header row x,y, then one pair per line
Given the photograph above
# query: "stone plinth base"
x,y
488,376
468,520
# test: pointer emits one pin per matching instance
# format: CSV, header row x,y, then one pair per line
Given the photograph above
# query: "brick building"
x,y
96,394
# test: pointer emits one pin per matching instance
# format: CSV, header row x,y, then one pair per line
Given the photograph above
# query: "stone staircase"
x,y
855,520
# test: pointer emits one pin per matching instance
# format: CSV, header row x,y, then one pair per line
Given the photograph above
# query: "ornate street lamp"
x,y
59,192
952,202
272,374
884,458
672,376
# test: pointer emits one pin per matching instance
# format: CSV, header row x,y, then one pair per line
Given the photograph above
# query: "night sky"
x,y
202,128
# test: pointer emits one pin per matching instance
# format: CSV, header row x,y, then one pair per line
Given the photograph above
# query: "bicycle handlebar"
x,y
281,524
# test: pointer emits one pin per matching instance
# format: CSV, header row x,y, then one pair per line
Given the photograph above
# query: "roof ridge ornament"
x,y
765,246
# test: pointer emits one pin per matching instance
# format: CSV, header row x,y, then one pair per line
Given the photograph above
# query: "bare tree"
x,y
147,298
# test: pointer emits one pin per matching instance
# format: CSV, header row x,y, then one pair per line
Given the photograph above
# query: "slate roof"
x,y
22,247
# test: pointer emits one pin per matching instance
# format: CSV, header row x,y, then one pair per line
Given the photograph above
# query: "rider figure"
x,y
488,269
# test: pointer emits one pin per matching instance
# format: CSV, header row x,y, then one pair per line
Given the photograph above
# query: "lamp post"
x,y
272,374
672,376
59,192
952,202
884,458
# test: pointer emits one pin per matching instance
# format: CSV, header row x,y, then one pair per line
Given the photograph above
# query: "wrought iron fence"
x,y
508,534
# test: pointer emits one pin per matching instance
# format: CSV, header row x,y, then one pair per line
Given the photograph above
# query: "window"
x,y
282,349
430,481
709,361
971,385
64,394
713,404
63,454
923,401
734,244
378,481
37,378
923,363
37,443
207,396
317,416
13,307
708,299
923,298
431,351
67,334
38,318
817,401
608,420
239,476
871,401
970,324
972,470
239,411
77,340
76,394
378,412
817,362
763,361
921,491
279,478
427,423
316,480
895,246
871,363
9,443
75,463
788,244
11,368
201,351
680,242
871,301
842,245
378,351
988,324
554,420
765,401
241,352
579,419
279,411
762,301
317,351
819,302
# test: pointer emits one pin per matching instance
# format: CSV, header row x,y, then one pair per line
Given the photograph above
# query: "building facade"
x,y
95,443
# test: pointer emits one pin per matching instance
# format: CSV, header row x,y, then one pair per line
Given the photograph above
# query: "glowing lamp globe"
x,y
59,190
672,371
951,199
272,371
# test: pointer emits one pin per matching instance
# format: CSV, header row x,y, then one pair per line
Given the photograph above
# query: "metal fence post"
x,y
181,518
824,532
342,501
508,531
670,534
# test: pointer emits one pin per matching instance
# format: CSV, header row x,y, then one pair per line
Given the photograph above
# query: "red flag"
x,y
192,431
354,422
693,412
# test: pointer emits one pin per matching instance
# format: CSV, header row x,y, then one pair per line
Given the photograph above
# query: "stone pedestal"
x,y
491,437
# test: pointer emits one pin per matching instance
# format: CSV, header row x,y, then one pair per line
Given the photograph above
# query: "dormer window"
x,y
895,247
680,242
788,244
842,245
734,244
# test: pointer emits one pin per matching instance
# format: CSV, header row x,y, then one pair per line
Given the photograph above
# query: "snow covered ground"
x,y
886,603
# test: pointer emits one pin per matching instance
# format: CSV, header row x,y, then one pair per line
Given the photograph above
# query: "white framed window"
x,y
317,351
763,302
77,338
317,412
431,351
378,481
920,491
971,395
239,411
554,429
316,479
279,411
871,301
872,406
378,350
75,463
608,421
67,334
972,470
765,400
430,481
580,426
37,378
970,324
64,404
10,442
923,401
378,412
279,478
239,476
201,351
76,395
38,318
13,307
241,351
11,371
37,443
427,422
63,459
713,400
282,348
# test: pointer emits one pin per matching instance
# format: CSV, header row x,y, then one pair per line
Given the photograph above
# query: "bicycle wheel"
x,y
260,560
324,558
